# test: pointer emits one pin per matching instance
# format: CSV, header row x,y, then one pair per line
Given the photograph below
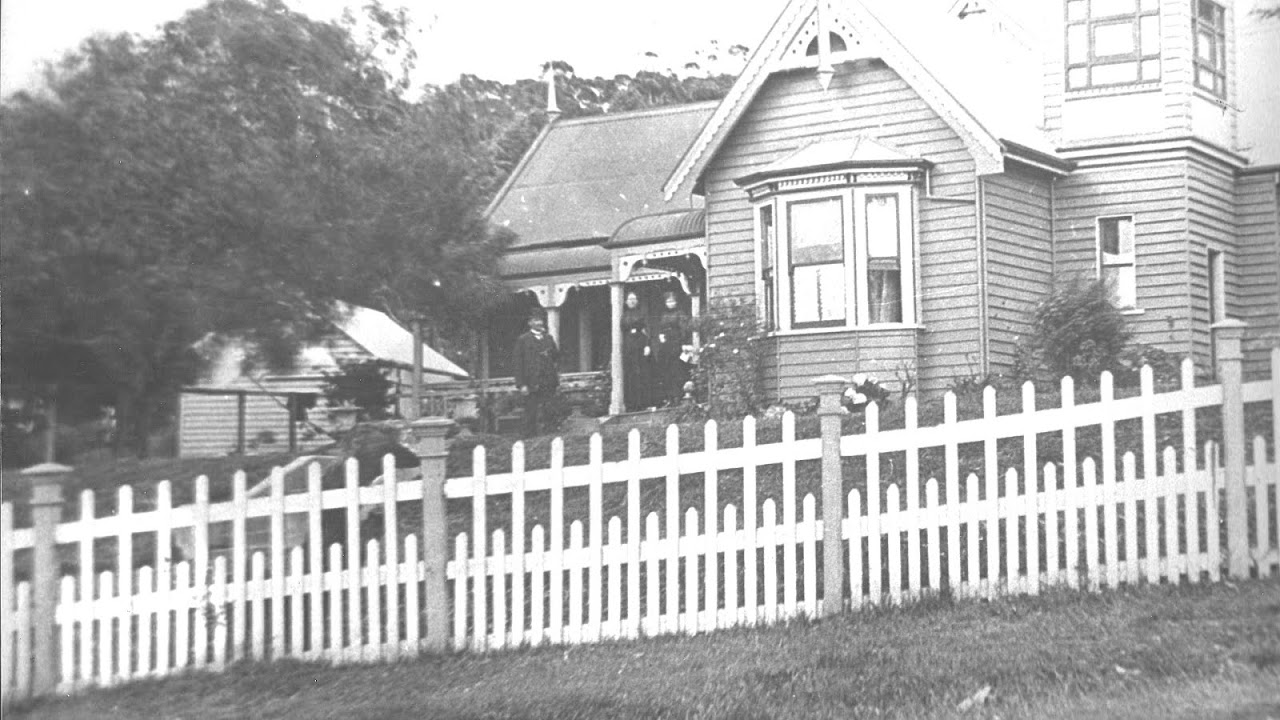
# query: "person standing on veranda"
x,y
673,333
537,373
636,362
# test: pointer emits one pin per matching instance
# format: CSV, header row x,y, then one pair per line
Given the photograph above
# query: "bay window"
x,y
846,258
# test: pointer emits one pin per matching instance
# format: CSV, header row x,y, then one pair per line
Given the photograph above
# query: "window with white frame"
x,y
837,258
1210,35
1112,42
1117,264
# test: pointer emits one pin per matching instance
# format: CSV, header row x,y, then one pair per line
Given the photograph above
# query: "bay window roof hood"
x,y
856,153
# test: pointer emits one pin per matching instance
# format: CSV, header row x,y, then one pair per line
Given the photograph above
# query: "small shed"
x,y
234,408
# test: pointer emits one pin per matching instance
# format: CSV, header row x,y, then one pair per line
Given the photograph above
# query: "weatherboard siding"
x,y
868,98
1210,226
1019,257
209,425
1155,194
1258,228
884,354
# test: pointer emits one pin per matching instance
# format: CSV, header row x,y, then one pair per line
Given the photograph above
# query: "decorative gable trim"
x,y
875,40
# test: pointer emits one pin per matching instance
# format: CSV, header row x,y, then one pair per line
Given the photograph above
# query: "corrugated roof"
x,y
587,176
648,229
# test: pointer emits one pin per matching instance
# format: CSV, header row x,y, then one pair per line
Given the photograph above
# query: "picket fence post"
x,y
426,437
829,412
46,482
1227,335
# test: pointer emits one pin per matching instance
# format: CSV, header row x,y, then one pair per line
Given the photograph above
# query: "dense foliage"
x,y
236,174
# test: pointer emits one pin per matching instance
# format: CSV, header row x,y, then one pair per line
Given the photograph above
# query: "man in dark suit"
x,y
537,374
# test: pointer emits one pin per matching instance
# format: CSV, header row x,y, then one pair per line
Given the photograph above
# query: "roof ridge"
x,y
629,114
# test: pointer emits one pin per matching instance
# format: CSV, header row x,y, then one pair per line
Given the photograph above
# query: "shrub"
x,y
364,385
1076,331
727,376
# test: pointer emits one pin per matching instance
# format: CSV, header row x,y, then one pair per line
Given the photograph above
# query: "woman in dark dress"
x,y
636,370
671,336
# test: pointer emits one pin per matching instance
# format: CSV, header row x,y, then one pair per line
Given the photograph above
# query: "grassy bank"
x,y
1191,652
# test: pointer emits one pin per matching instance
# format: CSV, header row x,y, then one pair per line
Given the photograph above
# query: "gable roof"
x,y
386,339
902,35
583,177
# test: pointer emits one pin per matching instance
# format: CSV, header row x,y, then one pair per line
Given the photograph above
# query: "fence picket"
x,y
517,559
218,597
892,526
787,526
1197,481
973,583
853,533
257,611
1151,520
710,518
355,618
499,590
672,623
652,561
373,586
164,578
952,511
278,571
106,634
144,603
874,519
1130,492
932,520
1051,503
810,535
200,536
537,559
391,548
239,563
574,632
315,564
991,485
731,616
1012,549
751,565
1110,539
914,525
182,615
595,546
85,615
1030,498
124,581
613,552
555,561
1255,476
461,553
1175,487
334,581
66,638
9,624
633,533
295,590
690,548
1213,511
412,598
479,552
1071,513
769,541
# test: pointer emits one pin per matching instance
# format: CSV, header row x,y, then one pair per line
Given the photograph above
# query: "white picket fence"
x,y
582,577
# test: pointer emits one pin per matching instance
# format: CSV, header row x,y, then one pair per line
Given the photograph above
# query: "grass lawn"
x,y
1181,652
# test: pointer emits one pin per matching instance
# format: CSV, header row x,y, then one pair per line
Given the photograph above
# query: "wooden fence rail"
x,y
675,543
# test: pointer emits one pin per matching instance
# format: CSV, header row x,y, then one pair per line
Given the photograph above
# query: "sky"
x,y
497,39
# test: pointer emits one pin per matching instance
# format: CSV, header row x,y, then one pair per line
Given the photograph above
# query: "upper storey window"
x,y
1211,47
1112,42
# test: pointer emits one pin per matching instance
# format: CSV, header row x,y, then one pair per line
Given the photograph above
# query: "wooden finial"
x,y
553,110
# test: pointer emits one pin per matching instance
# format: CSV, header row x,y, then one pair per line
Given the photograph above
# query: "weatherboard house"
x,y
893,186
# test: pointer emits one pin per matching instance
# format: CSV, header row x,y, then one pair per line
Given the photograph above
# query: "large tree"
x,y
220,177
